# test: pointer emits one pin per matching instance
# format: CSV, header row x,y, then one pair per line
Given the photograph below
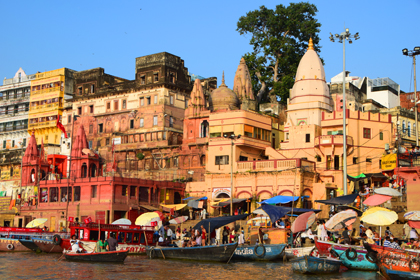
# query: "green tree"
x,y
279,38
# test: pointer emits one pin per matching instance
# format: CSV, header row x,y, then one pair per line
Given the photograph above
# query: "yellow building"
x,y
48,91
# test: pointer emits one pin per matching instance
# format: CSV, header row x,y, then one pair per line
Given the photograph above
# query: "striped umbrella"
x,y
303,222
178,220
412,216
341,220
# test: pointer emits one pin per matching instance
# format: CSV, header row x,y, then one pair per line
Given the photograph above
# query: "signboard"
x,y
389,162
117,141
217,191
71,219
88,220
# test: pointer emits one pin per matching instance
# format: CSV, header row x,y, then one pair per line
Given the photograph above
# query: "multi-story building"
x,y
49,90
14,107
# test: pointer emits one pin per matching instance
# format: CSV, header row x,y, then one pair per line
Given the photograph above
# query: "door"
x,y
336,162
52,224
21,222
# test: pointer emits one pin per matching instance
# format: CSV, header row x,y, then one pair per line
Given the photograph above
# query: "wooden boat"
x,y
30,244
113,256
260,252
314,265
10,238
395,263
354,258
292,253
217,253
50,244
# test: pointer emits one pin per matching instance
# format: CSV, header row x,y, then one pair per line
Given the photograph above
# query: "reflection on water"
x,y
45,266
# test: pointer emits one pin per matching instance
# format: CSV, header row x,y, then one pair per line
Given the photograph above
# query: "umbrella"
x,y
388,191
178,220
376,199
147,219
341,208
161,216
122,222
379,216
412,216
341,220
36,223
303,222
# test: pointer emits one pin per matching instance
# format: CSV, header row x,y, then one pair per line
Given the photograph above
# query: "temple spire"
x,y
311,45
223,80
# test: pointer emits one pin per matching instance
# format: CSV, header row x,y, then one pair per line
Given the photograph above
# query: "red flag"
x,y
114,165
61,126
172,211
71,219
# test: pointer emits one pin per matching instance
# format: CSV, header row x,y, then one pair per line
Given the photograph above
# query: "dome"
x,y
224,98
310,66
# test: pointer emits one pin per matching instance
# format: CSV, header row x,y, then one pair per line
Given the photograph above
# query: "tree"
x,y
279,38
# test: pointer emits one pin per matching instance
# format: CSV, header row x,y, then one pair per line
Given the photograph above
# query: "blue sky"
x,y
80,35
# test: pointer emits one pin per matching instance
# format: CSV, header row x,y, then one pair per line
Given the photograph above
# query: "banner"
x,y
88,220
71,219
389,162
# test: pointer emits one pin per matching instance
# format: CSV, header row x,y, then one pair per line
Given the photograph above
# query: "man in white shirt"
x,y
413,234
169,233
75,248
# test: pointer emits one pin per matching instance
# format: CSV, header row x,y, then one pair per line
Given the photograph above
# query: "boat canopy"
x,y
281,199
214,223
340,200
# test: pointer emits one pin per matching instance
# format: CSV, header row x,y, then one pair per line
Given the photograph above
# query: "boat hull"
x,y
218,253
114,256
261,252
292,253
90,245
16,246
47,246
30,244
398,275
314,265
359,262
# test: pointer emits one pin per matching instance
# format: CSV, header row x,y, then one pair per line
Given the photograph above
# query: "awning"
x,y
214,223
227,202
281,199
169,207
345,199
149,207
196,198
278,212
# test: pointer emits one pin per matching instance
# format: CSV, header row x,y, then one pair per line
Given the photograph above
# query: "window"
x,y
24,142
148,100
381,135
132,190
98,144
368,160
143,80
155,120
91,109
107,141
101,127
336,162
155,99
93,192
116,105
156,77
171,122
222,160
242,158
77,193
131,124
13,144
287,135
171,99
141,122
124,104
91,129
403,126
92,88
366,133
141,101
80,90
108,105
409,129
79,110
69,119
90,144
248,131
355,160
124,191
308,138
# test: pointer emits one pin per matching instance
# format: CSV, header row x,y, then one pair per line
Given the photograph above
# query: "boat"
x,y
259,252
50,243
395,263
30,244
216,253
112,256
130,237
315,265
10,238
355,258
292,253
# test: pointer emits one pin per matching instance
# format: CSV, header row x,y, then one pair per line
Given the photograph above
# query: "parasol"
x,y
178,220
341,220
379,216
341,208
149,219
161,216
388,191
412,216
122,222
303,222
376,199
36,223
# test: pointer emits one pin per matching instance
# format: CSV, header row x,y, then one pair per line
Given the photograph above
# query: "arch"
x,y
32,176
92,170
244,194
177,198
307,202
204,129
264,195
286,192
84,171
203,160
222,195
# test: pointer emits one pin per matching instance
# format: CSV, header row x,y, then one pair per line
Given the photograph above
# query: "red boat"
x,y
129,237
10,238
395,263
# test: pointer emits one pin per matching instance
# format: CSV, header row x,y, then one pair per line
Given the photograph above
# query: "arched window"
x,y
409,129
92,170
204,129
84,170
403,127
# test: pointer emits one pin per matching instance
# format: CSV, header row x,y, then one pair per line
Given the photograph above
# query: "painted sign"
x,y
117,141
217,191
389,162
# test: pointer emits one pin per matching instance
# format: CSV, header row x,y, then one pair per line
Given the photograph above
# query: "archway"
x,y
84,170
204,129
222,195
92,170
32,176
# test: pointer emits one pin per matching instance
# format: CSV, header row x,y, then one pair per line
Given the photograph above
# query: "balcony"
x,y
45,107
274,165
327,140
47,90
43,124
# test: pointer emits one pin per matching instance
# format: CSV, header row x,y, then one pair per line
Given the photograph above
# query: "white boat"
x,y
292,253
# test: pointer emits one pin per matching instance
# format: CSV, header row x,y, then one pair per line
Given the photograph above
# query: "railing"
x,y
332,140
267,165
47,90
51,106
43,124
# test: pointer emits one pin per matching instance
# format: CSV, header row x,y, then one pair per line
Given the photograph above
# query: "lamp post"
x,y
232,137
342,39
413,54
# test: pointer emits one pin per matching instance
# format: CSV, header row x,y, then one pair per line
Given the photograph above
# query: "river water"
x,y
45,266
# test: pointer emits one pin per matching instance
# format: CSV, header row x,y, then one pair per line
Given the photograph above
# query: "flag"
x,y
61,126
71,219
172,211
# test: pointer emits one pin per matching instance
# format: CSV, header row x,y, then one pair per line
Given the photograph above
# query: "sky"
x,y
80,35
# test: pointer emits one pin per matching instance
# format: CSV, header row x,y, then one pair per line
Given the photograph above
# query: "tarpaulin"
x,y
196,198
376,199
345,199
214,223
280,199
227,202
277,212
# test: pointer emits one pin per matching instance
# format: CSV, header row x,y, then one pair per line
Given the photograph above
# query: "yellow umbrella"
x,y
176,207
147,218
379,216
36,223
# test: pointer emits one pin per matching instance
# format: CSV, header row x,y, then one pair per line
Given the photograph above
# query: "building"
x,y
14,107
384,91
49,90
88,192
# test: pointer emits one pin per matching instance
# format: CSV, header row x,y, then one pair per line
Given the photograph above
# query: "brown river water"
x,y
45,266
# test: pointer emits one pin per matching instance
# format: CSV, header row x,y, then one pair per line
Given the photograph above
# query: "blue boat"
x,y
314,265
399,275
259,252
355,258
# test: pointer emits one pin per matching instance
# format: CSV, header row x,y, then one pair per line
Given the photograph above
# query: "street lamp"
x,y
413,53
232,137
342,39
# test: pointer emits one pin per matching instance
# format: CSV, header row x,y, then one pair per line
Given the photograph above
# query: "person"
x,y
203,235
169,233
232,236
346,237
203,214
407,230
178,233
387,242
161,239
101,245
361,228
395,244
376,237
318,229
112,243
197,241
225,235
387,231
413,234
75,245
213,237
156,234
241,239
370,235
261,235
324,234
218,236
236,212
281,224
239,210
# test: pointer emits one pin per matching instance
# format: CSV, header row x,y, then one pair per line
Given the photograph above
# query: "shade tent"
x,y
278,212
214,223
280,199
345,199
227,202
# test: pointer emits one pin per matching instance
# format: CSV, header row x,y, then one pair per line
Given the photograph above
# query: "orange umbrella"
x,y
303,222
